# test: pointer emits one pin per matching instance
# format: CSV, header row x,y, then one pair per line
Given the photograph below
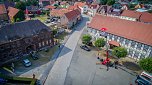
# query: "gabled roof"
x,y
50,7
72,14
12,12
2,9
130,13
136,31
72,7
58,12
146,17
80,4
21,30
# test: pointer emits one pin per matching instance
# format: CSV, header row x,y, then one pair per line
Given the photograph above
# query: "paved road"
x,y
58,72
84,71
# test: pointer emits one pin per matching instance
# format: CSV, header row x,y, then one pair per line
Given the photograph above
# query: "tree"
x,y
54,32
119,52
100,42
19,16
110,2
86,39
20,5
146,64
103,2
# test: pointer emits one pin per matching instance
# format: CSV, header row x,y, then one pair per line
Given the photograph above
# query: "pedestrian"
x,y
116,63
59,46
33,76
107,64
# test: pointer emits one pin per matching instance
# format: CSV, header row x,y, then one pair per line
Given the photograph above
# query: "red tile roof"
x,y
12,12
50,7
137,31
80,4
72,14
72,7
130,13
58,12
2,9
115,43
146,17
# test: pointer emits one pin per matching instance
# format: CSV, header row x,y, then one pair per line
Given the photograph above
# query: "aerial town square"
x,y
75,42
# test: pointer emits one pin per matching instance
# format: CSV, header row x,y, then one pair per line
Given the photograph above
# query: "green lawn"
x,y
50,52
42,18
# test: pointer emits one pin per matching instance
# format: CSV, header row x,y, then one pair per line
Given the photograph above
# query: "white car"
x,y
27,63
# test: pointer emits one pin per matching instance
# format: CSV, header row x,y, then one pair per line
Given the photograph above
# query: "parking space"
x,y
37,66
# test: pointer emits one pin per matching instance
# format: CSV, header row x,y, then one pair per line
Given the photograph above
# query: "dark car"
x,y
84,47
35,56
143,80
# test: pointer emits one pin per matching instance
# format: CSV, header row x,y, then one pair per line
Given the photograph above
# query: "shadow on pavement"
x,y
131,65
81,24
64,51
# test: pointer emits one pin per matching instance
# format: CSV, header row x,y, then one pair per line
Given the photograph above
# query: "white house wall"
x,y
135,49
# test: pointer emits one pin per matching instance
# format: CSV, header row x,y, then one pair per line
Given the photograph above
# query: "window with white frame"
x,y
47,42
43,43
39,44
50,41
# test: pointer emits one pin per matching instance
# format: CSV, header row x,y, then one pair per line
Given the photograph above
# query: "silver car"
x,y
27,63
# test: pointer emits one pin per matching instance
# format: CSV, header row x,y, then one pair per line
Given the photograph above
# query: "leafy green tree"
x,y
86,39
19,16
146,64
54,31
20,5
119,52
110,2
100,42
103,2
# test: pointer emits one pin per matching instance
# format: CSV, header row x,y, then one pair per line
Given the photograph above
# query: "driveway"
x,y
84,71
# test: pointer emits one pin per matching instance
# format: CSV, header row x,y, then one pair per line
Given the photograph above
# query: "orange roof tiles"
x,y
130,13
50,7
2,9
146,17
58,12
12,12
72,14
112,42
80,4
72,7
137,31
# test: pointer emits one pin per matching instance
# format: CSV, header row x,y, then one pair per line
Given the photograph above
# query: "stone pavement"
x,y
58,72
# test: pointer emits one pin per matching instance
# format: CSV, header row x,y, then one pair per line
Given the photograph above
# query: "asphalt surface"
x,y
84,71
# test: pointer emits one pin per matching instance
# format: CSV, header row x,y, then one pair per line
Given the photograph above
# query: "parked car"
x,y
84,47
47,21
27,63
144,79
34,56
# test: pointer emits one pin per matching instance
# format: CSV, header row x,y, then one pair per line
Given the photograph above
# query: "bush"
x,y
146,64
119,52
86,39
100,42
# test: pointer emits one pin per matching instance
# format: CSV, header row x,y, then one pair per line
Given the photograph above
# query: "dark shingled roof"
x,y
21,30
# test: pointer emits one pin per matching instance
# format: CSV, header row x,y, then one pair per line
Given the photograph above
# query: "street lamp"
x,y
104,29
